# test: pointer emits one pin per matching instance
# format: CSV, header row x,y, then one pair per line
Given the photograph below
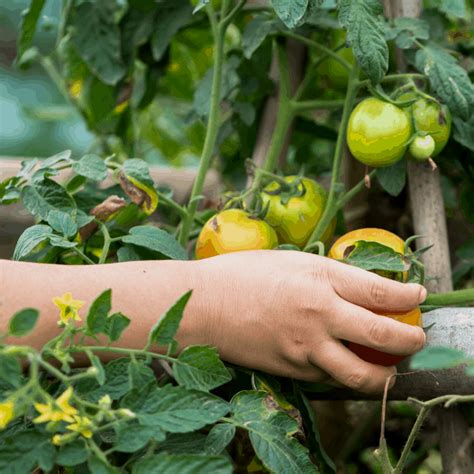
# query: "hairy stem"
x,y
318,46
331,207
411,439
218,30
451,298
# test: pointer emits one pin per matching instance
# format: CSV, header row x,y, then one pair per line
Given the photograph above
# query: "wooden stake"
x,y
429,220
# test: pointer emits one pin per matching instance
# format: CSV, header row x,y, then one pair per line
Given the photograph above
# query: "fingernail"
x,y
423,294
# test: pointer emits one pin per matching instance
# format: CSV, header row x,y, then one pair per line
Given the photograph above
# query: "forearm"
x,y
142,291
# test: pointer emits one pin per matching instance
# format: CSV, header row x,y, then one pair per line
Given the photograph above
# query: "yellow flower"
x,y
57,440
82,426
58,410
69,307
6,413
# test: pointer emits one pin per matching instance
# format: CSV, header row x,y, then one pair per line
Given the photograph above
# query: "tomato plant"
x,y
210,84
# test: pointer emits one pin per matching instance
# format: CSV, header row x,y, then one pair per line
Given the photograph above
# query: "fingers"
x,y
356,324
346,368
372,291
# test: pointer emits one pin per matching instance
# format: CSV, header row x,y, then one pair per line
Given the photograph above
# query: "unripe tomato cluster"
x,y
288,220
380,133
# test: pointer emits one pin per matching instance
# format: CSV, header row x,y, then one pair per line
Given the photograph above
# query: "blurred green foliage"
x,y
35,119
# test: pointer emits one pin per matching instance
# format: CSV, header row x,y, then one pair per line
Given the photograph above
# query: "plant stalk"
x,y
451,298
331,207
219,30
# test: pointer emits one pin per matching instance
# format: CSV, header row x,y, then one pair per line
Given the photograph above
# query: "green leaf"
x,y
62,222
97,364
290,12
10,370
29,21
279,453
270,433
23,322
184,464
116,382
199,367
72,454
455,8
100,100
219,437
139,170
169,21
30,239
314,442
140,374
132,437
61,157
449,80
164,331
22,452
183,443
406,31
255,33
96,37
116,325
200,5
97,317
98,465
365,34
175,409
42,197
393,178
92,167
436,358
464,132
374,256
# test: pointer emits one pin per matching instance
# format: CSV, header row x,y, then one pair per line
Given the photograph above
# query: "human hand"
x,y
286,313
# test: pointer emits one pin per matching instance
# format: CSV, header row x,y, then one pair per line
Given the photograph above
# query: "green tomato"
x,y
431,118
378,132
333,71
295,218
422,148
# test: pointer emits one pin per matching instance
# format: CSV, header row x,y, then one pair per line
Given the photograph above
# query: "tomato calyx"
x,y
287,190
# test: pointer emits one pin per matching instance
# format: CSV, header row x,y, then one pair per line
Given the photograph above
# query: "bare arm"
x,y
278,311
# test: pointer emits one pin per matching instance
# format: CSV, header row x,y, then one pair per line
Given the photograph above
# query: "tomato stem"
x,y
451,298
331,207
285,116
218,30
394,78
318,46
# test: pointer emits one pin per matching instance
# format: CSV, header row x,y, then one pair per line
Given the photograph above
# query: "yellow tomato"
x,y
382,236
234,230
369,234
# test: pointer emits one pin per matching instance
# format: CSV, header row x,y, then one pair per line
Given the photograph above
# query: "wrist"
x,y
195,325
